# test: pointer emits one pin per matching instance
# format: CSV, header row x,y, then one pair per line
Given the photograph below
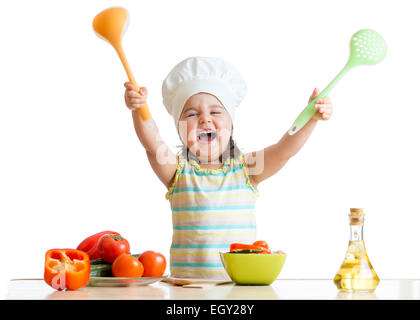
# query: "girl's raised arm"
x,y
161,158
163,161
264,163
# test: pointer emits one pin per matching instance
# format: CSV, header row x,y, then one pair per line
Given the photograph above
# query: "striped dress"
x,y
211,208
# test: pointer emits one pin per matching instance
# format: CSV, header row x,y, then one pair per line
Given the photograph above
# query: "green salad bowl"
x,y
252,269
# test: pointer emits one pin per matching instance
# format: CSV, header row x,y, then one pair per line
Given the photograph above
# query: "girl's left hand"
x,y
324,107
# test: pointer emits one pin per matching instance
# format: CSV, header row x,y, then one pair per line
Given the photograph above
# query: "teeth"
x,y
206,135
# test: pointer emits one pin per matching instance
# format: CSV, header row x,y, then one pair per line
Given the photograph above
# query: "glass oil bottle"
x,y
356,273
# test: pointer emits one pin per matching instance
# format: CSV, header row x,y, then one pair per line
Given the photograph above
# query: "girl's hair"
x,y
231,151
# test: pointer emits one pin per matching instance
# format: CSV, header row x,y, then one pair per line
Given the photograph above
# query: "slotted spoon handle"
x,y
367,47
309,111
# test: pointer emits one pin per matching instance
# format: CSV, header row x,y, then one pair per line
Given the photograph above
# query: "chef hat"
x,y
202,74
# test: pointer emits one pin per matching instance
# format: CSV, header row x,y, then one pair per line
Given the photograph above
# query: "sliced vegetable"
x,y
246,251
110,246
241,246
90,244
127,266
154,263
66,269
261,243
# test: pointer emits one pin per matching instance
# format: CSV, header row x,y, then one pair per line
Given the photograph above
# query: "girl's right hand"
x,y
134,100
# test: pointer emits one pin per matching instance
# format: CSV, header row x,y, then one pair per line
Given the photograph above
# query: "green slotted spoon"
x,y
366,47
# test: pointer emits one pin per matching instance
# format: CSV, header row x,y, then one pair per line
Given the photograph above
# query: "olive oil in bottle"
x,y
356,272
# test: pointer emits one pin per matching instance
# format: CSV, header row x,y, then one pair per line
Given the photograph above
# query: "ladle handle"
x,y
143,111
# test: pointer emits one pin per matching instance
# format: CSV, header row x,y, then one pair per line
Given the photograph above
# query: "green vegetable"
x,y
96,261
98,267
101,273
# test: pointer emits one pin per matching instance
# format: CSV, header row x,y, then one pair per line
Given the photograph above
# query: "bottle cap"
x,y
356,216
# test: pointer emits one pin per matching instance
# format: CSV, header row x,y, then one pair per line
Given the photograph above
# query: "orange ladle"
x,y
110,25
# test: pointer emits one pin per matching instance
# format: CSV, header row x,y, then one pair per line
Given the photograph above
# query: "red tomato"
x,y
127,266
261,243
90,244
110,246
154,263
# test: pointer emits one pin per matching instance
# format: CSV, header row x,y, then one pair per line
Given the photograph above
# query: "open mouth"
x,y
206,137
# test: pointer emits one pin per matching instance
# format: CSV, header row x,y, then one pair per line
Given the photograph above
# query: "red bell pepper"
x,y
242,246
90,244
66,269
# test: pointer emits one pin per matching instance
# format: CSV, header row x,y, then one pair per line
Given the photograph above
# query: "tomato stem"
x,y
116,237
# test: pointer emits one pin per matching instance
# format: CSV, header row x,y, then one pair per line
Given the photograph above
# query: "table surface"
x,y
281,289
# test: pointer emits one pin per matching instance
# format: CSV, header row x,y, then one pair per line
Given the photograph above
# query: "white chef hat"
x,y
203,74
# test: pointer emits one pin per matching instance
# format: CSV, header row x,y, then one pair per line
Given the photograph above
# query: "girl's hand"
x,y
324,107
133,99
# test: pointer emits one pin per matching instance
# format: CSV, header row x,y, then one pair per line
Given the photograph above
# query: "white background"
x,y
71,164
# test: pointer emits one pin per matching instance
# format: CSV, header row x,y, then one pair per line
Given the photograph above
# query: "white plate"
x,y
122,282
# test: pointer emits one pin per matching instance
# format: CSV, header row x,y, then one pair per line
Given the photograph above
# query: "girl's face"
x,y
205,127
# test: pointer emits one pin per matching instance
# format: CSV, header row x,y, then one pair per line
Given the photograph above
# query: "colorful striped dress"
x,y
211,208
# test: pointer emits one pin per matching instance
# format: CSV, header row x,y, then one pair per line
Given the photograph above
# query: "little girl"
x,y
212,185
